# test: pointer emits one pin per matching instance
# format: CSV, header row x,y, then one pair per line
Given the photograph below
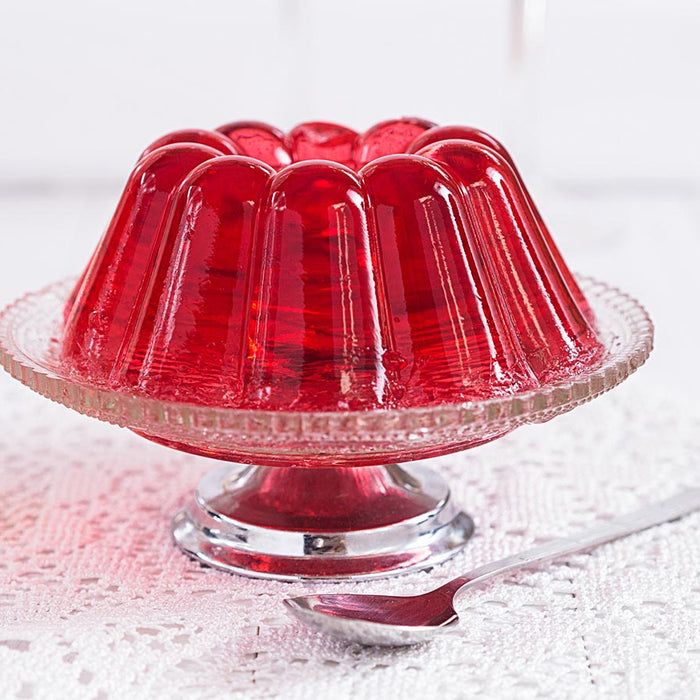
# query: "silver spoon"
x,y
402,620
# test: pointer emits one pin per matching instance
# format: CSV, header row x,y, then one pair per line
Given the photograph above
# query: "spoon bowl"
x,y
379,620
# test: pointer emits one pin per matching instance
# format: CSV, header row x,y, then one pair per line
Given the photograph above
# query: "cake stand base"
x,y
321,523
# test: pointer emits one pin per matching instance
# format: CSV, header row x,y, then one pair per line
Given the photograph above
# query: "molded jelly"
x,y
327,270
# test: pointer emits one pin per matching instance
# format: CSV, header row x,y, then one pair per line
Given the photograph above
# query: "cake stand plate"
x,y
319,494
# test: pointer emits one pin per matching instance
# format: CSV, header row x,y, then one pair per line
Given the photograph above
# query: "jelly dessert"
x,y
326,270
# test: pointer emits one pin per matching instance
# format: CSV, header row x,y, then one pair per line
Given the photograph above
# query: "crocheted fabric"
x,y
95,601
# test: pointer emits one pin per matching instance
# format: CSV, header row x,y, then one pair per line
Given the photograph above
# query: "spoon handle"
x,y
679,505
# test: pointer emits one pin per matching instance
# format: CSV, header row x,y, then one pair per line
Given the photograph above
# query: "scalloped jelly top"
x,y
326,270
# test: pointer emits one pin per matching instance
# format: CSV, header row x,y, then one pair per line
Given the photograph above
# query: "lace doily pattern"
x,y
96,603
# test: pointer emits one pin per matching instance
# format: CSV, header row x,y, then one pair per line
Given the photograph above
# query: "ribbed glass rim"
x,y
30,325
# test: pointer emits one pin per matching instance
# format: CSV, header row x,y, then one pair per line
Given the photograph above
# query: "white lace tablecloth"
x,y
96,603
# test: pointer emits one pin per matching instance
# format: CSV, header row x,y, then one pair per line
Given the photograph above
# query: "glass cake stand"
x,y
319,494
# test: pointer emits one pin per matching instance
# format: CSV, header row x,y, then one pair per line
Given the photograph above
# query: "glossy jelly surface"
x,y
326,270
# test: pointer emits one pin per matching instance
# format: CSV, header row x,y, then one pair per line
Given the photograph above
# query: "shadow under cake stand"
x,y
319,494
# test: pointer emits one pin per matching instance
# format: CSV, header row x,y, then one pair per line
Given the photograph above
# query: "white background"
x,y
603,90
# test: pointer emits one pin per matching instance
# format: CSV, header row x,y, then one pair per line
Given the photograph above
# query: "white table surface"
x,y
96,603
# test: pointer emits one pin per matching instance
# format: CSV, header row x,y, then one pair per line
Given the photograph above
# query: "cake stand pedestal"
x,y
290,523
329,502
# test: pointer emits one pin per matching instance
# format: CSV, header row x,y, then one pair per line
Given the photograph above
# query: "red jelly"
x,y
327,270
